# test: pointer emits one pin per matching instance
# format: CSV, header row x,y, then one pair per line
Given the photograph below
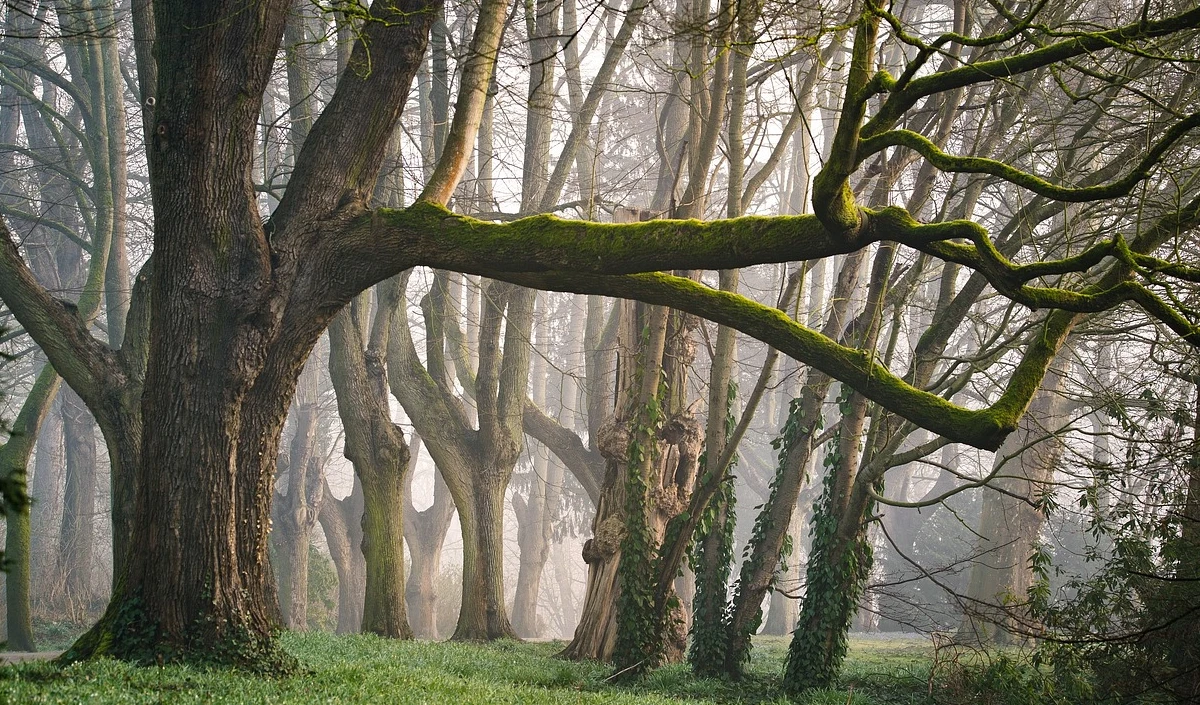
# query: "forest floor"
x,y
365,669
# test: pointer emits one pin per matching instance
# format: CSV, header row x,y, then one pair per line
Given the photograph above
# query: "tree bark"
x,y
669,466
476,464
295,514
77,536
214,409
341,519
238,305
996,600
14,456
46,512
758,569
425,532
376,447
535,514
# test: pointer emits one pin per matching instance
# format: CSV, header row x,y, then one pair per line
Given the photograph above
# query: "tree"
x,y
12,492
232,305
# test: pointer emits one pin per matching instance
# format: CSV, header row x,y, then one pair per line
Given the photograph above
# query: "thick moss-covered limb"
x,y
1027,378
428,234
983,429
833,200
898,103
979,165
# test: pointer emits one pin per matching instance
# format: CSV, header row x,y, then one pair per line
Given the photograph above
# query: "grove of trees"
x,y
912,286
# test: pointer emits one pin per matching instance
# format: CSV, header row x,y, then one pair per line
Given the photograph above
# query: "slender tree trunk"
x,y
380,455
758,570
715,542
341,519
295,514
46,512
77,535
535,514
425,532
538,526
14,456
1009,527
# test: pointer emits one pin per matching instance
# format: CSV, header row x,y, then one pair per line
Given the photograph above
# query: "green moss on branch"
x,y
980,428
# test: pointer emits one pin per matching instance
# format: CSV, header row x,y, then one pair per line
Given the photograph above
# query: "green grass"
x,y
56,636
365,669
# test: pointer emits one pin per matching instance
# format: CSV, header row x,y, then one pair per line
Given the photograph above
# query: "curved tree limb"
x,y
1032,182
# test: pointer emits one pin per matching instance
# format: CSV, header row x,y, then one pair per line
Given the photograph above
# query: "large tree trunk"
x,y
476,465
483,614
199,585
596,634
383,548
668,464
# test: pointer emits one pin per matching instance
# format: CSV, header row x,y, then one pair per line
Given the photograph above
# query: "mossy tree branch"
x,y
979,165
833,199
983,428
899,102
427,234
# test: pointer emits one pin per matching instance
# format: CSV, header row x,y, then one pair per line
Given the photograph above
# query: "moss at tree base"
x,y
126,633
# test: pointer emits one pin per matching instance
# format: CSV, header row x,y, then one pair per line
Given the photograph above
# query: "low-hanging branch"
x,y
985,428
548,252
